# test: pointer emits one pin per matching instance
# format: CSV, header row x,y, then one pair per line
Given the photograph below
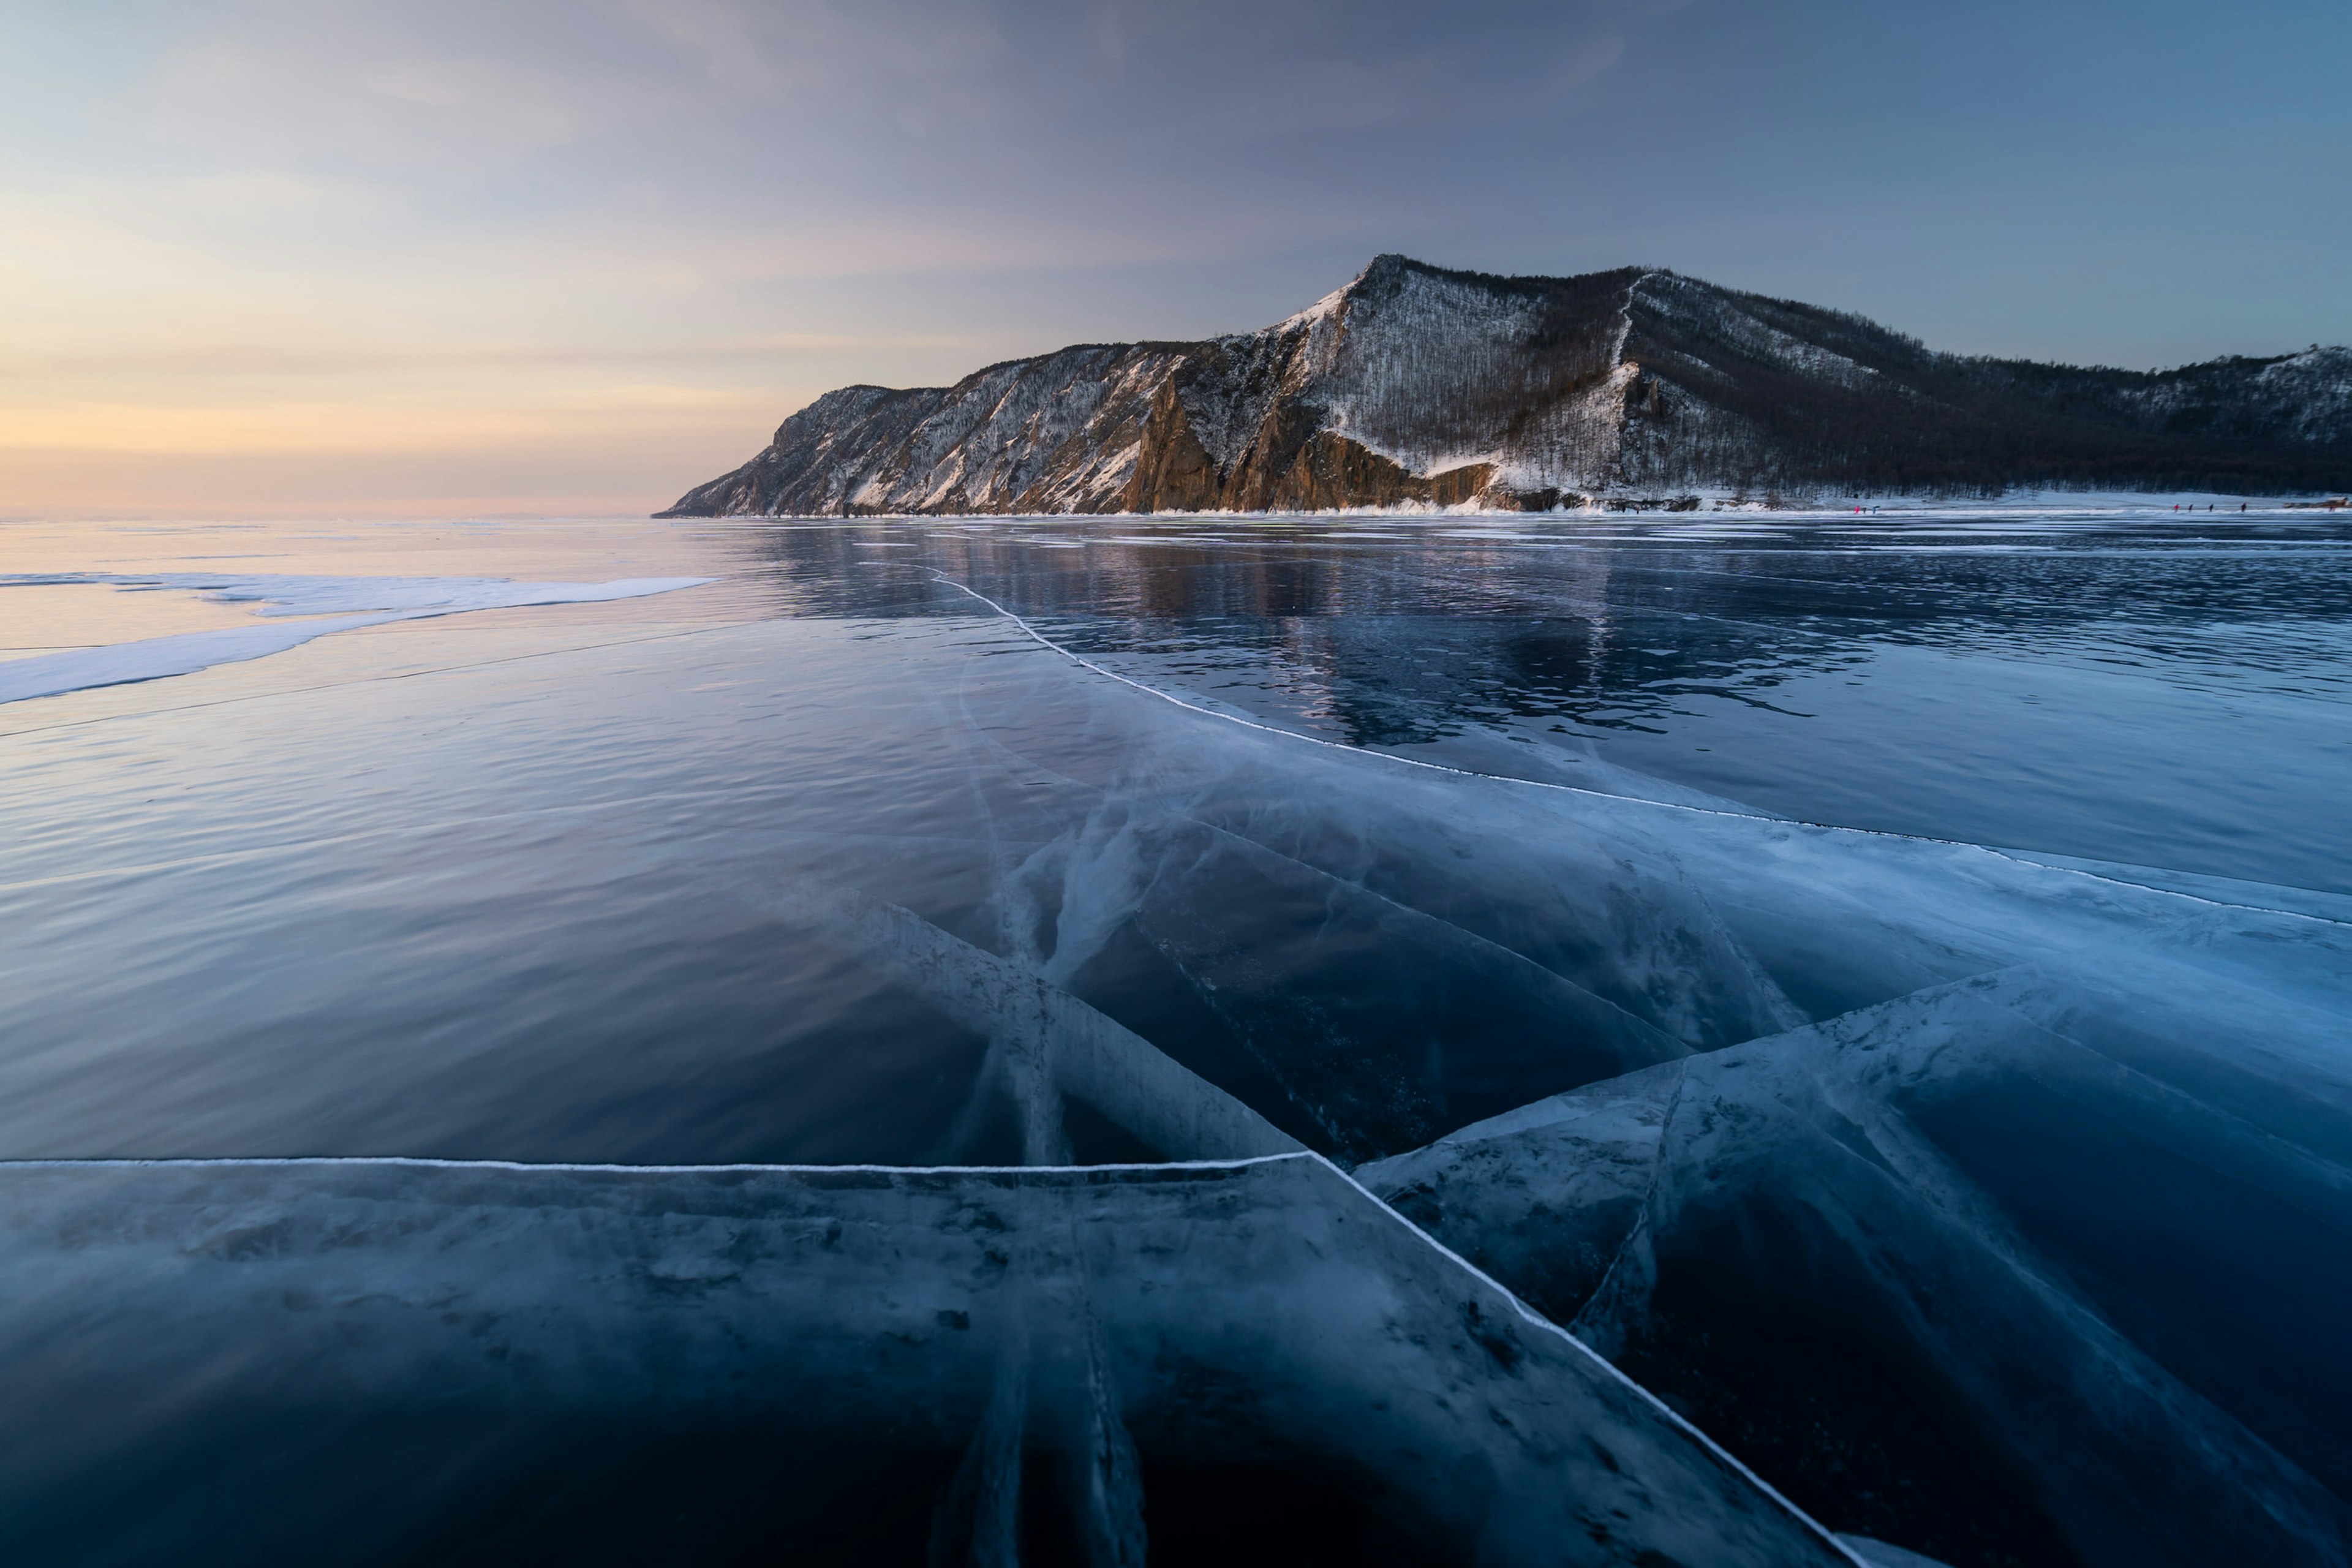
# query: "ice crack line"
x,y
1085,663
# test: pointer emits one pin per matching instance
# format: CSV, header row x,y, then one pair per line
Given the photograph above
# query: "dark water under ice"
x,y
536,884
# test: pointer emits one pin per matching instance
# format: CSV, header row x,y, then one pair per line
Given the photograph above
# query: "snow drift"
x,y
338,605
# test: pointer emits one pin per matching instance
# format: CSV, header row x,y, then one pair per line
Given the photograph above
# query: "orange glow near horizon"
x,y
278,259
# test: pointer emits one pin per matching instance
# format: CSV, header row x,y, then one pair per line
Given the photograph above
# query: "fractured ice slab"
x,y
342,604
1879,1555
2000,1221
2038,1261
376,1360
1389,966
1403,948
1048,1044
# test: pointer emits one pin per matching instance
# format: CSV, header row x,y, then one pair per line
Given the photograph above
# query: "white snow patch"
x,y
335,604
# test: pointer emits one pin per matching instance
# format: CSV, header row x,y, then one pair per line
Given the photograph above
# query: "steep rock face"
x,y
1417,386
1058,433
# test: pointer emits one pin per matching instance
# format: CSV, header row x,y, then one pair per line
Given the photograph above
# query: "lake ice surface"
x,y
1986,878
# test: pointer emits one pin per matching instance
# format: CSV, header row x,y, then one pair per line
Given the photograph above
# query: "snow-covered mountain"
x,y
1414,385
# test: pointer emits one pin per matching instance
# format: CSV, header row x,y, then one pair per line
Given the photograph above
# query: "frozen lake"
x,y
1988,874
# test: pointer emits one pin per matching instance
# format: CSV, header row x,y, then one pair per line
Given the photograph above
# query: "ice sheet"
x,y
2047,1160
1193,1317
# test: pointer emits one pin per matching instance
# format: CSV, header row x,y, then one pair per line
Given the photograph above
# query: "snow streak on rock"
x,y
1416,386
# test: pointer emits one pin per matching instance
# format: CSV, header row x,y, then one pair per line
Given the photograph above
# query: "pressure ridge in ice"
x,y
338,604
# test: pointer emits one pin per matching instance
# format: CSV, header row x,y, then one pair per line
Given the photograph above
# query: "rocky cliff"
x,y
1414,385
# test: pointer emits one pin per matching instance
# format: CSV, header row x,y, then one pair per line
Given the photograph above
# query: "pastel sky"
x,y
482,256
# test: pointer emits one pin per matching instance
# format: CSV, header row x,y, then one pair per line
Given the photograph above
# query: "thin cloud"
x,y
314,222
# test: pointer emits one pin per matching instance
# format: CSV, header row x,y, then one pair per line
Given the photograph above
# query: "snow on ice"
x,y
341,603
